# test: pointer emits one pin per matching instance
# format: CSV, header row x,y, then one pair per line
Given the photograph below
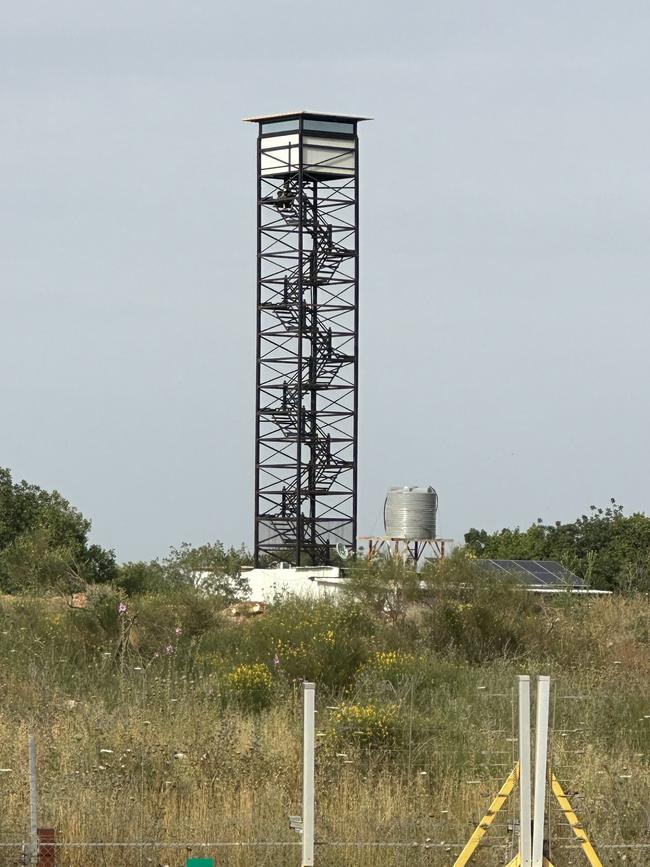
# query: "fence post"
x,y
524,771
308,762
33,802
541,755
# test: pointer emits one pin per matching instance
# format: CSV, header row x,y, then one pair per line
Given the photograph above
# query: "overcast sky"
x,y
505,252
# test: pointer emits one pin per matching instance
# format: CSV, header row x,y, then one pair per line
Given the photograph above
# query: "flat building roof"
x,y
321,115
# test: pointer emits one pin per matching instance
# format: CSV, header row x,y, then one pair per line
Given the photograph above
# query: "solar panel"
x,y
505,565
541,575
536,573
559,570
559,574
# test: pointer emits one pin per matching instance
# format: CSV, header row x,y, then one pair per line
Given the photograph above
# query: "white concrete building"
x,y
312,581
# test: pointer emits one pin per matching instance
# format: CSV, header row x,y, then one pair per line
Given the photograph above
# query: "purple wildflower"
x,y
121,608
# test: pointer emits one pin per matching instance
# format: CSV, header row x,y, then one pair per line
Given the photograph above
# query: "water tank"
x,y
410,513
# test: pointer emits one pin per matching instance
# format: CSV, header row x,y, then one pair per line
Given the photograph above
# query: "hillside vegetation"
x,y
160,718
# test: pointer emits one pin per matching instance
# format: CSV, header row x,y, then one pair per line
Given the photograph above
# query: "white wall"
x,y
304,580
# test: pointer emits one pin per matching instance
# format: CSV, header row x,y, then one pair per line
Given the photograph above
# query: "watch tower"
x,y
307,336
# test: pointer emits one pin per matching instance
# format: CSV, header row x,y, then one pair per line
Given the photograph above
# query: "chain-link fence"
x,y
157,778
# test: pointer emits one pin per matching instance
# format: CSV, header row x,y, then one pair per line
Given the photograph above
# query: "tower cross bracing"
x,y
307,337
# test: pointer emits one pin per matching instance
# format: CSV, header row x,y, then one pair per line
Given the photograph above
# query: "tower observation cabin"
x,y
307,336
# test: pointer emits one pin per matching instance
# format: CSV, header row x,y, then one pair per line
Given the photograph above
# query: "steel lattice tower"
x,y
307,336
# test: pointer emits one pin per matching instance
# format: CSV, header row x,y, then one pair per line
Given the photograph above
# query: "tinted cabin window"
x,y
280,126
328,126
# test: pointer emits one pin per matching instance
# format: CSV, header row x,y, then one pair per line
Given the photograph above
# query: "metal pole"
x,y
300,527
541,754
258,353
525,840
33,802
308,755
355,393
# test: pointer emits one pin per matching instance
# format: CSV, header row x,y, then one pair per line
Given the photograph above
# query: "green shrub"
x,y
158,617
317,640
394,666
95,626
474,614
136,579
364,725
251,686
141,629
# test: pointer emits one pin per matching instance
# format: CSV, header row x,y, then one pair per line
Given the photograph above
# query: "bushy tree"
x,y
387,586
32,561
44,541
24,507
209,568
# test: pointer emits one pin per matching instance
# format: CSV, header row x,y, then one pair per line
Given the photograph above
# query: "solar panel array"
x,y
537,573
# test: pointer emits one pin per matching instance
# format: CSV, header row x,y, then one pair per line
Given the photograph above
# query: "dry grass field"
x,y
167,724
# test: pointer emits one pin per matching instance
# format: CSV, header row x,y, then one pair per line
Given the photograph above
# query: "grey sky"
x,y
505,252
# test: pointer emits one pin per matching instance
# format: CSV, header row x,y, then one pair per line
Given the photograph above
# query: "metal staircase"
x,y
319,268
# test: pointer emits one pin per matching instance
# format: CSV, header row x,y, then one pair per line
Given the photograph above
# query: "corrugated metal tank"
x,y
410,513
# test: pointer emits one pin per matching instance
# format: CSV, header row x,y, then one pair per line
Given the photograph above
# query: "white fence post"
x,y
308,762
524,771
33,802
541,755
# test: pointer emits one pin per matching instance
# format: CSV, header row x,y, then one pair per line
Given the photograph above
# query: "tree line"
x,y
44,545
607,548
